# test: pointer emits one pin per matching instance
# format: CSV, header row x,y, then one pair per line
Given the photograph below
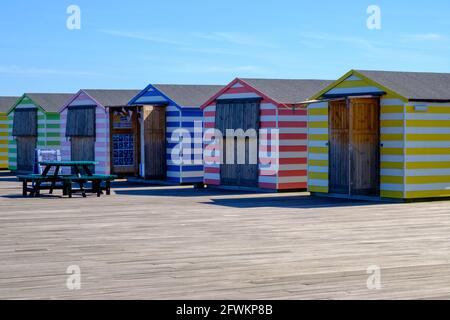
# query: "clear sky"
x,y
128,44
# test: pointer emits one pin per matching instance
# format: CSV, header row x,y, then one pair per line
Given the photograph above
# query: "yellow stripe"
x,y
352,84
3,149
318,112
391,165
391,137
428,123
428,165
392,109
392,179
318,137
319,163
318,189
427,151
431,109
318,150
427,194
392,194
427,137
3,134
392,124
427,179
318,176
391,151
318,124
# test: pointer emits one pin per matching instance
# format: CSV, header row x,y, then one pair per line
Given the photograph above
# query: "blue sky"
x,y
128,44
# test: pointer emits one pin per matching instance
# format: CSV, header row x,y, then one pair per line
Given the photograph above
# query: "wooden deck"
x,y
179,243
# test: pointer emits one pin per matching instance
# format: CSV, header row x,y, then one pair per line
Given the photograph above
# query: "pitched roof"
x,y
50,102
288,91
188,95
112,98
7,102
413,85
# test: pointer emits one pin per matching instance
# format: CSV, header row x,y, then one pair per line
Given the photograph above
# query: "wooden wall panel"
x,y
155,142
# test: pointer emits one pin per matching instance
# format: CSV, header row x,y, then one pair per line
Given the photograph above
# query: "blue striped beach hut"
x,y
170,121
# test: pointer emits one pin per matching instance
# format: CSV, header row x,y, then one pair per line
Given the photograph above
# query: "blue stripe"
x,y
193,180
192,168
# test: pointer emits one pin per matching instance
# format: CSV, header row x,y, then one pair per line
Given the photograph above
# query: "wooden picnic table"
x,y
81,175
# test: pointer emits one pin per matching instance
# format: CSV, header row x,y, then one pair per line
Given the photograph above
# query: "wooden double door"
x,y
26,147
354,146
155,155
243,170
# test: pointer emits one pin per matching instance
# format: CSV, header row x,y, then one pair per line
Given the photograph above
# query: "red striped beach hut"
x,y
274,109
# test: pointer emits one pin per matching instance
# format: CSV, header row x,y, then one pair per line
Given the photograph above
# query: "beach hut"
x,y
5,104
170,123
381,134
33,124
85,130
275,156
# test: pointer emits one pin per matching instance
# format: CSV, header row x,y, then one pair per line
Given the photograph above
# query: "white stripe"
x,y
428,187
391,187
318,131
428,116
318,156
389,158
392,172
389,130
427,172
392,144
317,183
212,176
318,119
267,179
391,116
318,169
438,158
290,167
82,102
292,179
318,105
392,102
428,144
434,130
361,90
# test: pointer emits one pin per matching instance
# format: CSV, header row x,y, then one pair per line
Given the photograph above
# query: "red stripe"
x,y
293,173
292,185
293,136
297,112
293,161
209,125
293,148
212,182
267,125
268,112
212,170
292,124
209,114
271,186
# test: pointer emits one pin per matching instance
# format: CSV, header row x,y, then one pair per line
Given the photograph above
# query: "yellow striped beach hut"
x,y
5,104
381,134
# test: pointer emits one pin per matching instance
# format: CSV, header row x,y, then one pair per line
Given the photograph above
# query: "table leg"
x,y
87,170
25,188
108,188
55,177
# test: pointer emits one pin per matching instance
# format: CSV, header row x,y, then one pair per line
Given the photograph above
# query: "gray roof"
x,y
288,91
112,98
50,102
7,102
413,85
188,95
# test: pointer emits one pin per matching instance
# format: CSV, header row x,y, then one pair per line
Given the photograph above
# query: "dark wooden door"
x,y
365,146
155,142
242,169
26,147
339,147
83,149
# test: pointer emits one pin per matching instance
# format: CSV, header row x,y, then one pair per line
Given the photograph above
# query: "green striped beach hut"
x,y
34,122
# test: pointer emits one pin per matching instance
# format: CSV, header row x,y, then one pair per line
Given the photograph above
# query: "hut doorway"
x,y
125,141
238,115
83,149
154,140
25,131
354,147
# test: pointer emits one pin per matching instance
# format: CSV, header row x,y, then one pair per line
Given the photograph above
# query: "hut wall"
x,y
48,131
392,139
3,140
102,145
427,151
283,150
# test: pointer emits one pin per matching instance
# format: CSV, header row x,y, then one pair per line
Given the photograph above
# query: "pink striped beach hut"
x,y
85,126
275,109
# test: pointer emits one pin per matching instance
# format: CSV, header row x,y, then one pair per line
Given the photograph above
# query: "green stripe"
x,y
53,143
53,116
53,134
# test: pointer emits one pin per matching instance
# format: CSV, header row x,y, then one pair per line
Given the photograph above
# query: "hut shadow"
x,y
290,202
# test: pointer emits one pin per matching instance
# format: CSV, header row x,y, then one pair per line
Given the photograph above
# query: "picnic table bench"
x,y
54,181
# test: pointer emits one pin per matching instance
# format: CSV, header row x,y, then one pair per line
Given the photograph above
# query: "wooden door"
x,y
239,115
339,147
26,147
365,146
83,149
155,142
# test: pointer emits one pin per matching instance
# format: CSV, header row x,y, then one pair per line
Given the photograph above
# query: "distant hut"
x,y
166,113
381,134
85,131
34,123
5,104
274,109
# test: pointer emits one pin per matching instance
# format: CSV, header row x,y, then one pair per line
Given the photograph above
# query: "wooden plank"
x,y
365,146
26,147
155,142
83,149
25,123
339,147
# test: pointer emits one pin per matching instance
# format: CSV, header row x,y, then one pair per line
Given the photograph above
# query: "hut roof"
x,y
288,91
413,85
112,98
7,102
50,102
188,95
